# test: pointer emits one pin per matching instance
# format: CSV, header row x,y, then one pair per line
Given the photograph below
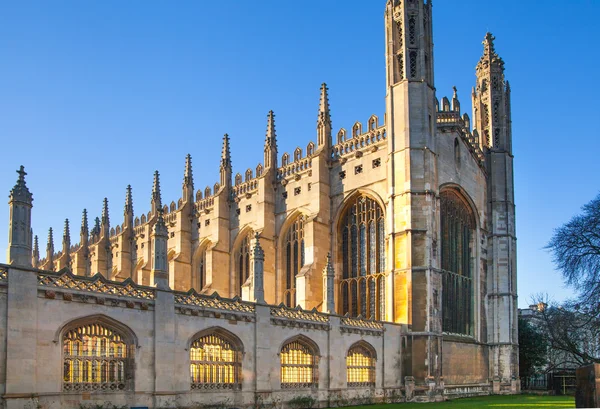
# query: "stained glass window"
x,y
458,228
360,367
298,365
95,357
363,259
215,362
202,269
242,262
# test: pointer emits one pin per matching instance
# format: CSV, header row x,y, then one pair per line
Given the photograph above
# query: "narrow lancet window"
x,y
294,259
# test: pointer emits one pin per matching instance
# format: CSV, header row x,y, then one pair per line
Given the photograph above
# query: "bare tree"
x,y
574,327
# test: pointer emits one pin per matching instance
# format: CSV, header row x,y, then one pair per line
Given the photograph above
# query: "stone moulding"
x,y
213,302
361,326
96,284
297,317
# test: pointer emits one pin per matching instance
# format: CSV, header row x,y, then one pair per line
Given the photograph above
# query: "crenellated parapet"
x,y
449,119
359,141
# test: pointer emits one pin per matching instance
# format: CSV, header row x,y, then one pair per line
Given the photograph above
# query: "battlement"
x,y
359,141
449,118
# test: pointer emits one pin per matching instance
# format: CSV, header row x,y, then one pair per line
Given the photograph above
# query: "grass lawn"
x,y
499,402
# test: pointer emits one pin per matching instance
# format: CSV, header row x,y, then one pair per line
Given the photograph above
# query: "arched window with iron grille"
x,y
360,365
97,357
299,365
362,234
215,361
458,235
242,262
294,259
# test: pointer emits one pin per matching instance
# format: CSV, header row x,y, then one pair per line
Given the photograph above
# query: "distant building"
x,y
416,302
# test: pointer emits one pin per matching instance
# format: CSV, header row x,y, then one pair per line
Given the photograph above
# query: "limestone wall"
x,y
163,324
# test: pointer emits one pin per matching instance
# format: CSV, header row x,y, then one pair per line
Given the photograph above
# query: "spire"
x,y
128,201
271,139
84,231
271,142
258,265
225,168
490,59
20,192
66,243
156,200
105,218
35,261
50,248
188,180
324,119
225,153
66,236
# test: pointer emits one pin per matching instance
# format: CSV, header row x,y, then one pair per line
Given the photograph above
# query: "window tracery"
x,y
215,362
360,367
96,357
458,228
299,364
294,259
242,262
202,269
363,259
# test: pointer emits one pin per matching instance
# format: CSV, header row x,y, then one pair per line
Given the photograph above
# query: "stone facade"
x,y
409,221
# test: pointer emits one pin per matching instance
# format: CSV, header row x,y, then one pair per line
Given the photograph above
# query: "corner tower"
x,y
19,231
491,112
412,185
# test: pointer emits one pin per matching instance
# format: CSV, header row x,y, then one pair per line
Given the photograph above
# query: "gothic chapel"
x,y
376,264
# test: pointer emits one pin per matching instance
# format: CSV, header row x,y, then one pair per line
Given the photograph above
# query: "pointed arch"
x,y
360,365
458,237
360,253
299,357
200,264
215,359
241,258
292,254
98,354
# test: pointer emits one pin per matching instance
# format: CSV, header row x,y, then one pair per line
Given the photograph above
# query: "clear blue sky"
x,y
95,95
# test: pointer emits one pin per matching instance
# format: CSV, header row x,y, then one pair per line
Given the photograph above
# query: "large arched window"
x,y
458,233
362,233
96,357
215,361
242,262
360,366
294,259
299,364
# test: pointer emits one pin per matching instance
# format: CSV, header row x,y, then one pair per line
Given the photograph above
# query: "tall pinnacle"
x,y
188,178
20,192
271,139
66,236
156,200
105,219
128,201
324,114
50,245
324,120
225,153
489,57
84,224
35,262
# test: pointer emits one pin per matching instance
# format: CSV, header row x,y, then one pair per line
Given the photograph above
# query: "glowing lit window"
x,y
215,363
95,357
360,367
298,366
